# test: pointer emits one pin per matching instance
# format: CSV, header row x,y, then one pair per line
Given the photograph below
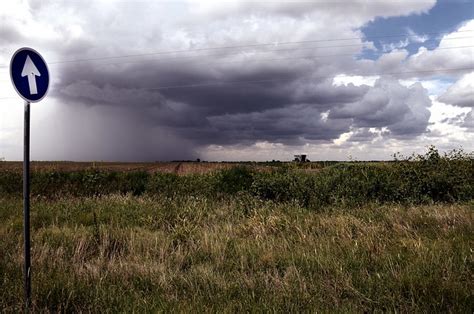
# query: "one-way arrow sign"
x,y
29,74
30,70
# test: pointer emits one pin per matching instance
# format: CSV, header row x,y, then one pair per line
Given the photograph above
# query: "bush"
x,y
10,182
417,179
233,180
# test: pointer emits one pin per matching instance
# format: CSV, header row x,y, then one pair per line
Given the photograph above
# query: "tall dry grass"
x,y
123,253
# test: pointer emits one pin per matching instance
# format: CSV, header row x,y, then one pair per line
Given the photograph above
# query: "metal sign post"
x,y
30,77
26,205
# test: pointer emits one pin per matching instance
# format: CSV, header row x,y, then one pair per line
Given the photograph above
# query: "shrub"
x,y
233,180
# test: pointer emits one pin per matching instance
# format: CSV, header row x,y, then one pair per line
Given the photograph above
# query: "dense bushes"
x,y
78,183
417,179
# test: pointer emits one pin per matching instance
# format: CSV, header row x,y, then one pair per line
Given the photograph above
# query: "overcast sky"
x,y
241,80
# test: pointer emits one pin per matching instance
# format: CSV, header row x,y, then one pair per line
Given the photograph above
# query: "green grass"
x,y
124,253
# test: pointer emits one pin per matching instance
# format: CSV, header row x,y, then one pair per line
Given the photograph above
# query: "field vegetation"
x,y
286,237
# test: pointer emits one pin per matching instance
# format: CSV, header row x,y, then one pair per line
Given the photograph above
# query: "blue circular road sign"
x,y
29,74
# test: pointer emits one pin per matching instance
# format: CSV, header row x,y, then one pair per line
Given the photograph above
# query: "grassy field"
x,y
354,237
125,253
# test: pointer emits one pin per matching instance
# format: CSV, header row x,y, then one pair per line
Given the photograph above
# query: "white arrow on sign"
x,y
30,70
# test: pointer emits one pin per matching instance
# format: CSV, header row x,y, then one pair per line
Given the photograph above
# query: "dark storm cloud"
x,y
232,105
210,89
290,125
287,110
325,94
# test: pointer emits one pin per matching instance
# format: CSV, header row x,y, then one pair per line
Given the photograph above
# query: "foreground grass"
x,y
126,253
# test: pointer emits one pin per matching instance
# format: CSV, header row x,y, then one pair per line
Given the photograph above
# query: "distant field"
x,y
166,167
247,237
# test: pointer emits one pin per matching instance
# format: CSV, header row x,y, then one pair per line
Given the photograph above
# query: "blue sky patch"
x,y
418,29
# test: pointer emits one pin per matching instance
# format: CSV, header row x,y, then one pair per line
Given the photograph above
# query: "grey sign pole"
x,y
26,206
28,66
